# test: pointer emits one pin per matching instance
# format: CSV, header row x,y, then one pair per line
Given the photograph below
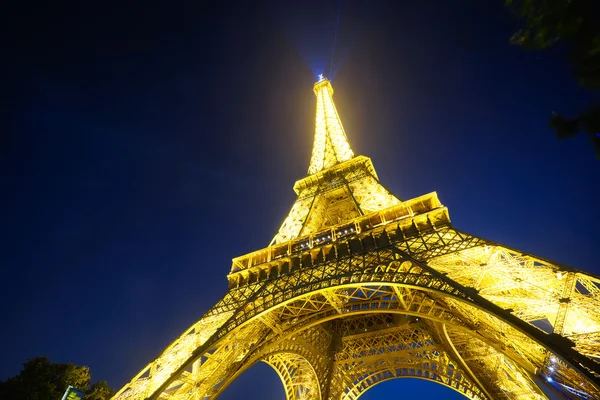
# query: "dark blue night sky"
x,y
152,142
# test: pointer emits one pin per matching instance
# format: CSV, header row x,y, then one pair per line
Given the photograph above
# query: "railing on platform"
x,y
424,211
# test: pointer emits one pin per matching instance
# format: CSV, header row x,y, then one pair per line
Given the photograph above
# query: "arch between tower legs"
x,y
397,287
394,346
377,336
298,376
300,359
319,363
343,357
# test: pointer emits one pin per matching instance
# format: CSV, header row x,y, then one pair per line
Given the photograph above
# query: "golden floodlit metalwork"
x,y
358,287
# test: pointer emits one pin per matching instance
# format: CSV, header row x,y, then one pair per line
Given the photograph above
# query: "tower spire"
x,y
358,287
331,145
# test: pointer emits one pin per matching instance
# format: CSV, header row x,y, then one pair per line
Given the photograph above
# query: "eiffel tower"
x,y
359,287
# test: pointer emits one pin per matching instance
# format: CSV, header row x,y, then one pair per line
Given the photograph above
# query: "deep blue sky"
x,y
150,143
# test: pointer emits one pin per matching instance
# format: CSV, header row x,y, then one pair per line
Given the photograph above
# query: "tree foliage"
x,y
42,380
576,24
99,391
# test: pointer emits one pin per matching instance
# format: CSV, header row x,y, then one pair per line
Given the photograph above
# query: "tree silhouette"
x,y
42,380
575,23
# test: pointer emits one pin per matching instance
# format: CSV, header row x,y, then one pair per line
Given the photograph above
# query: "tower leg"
x,y
299,378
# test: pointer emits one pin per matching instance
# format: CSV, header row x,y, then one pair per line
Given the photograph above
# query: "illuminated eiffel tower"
x,y
359,287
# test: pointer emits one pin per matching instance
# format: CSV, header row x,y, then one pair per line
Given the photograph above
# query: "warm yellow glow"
x,y
358,287
330,146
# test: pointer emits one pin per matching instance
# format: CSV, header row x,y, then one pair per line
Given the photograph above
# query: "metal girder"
x,y
349,284
358,288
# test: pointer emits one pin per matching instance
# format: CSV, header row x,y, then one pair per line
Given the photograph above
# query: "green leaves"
x,y
42,380
573,22
99,391
586,123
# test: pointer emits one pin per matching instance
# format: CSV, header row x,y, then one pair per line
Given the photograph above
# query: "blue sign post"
x,y
73,394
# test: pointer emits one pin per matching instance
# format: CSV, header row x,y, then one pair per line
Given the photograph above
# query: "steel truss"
x,y
480,339
358,288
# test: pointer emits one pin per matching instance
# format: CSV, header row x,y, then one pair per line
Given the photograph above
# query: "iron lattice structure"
x,y
358,287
